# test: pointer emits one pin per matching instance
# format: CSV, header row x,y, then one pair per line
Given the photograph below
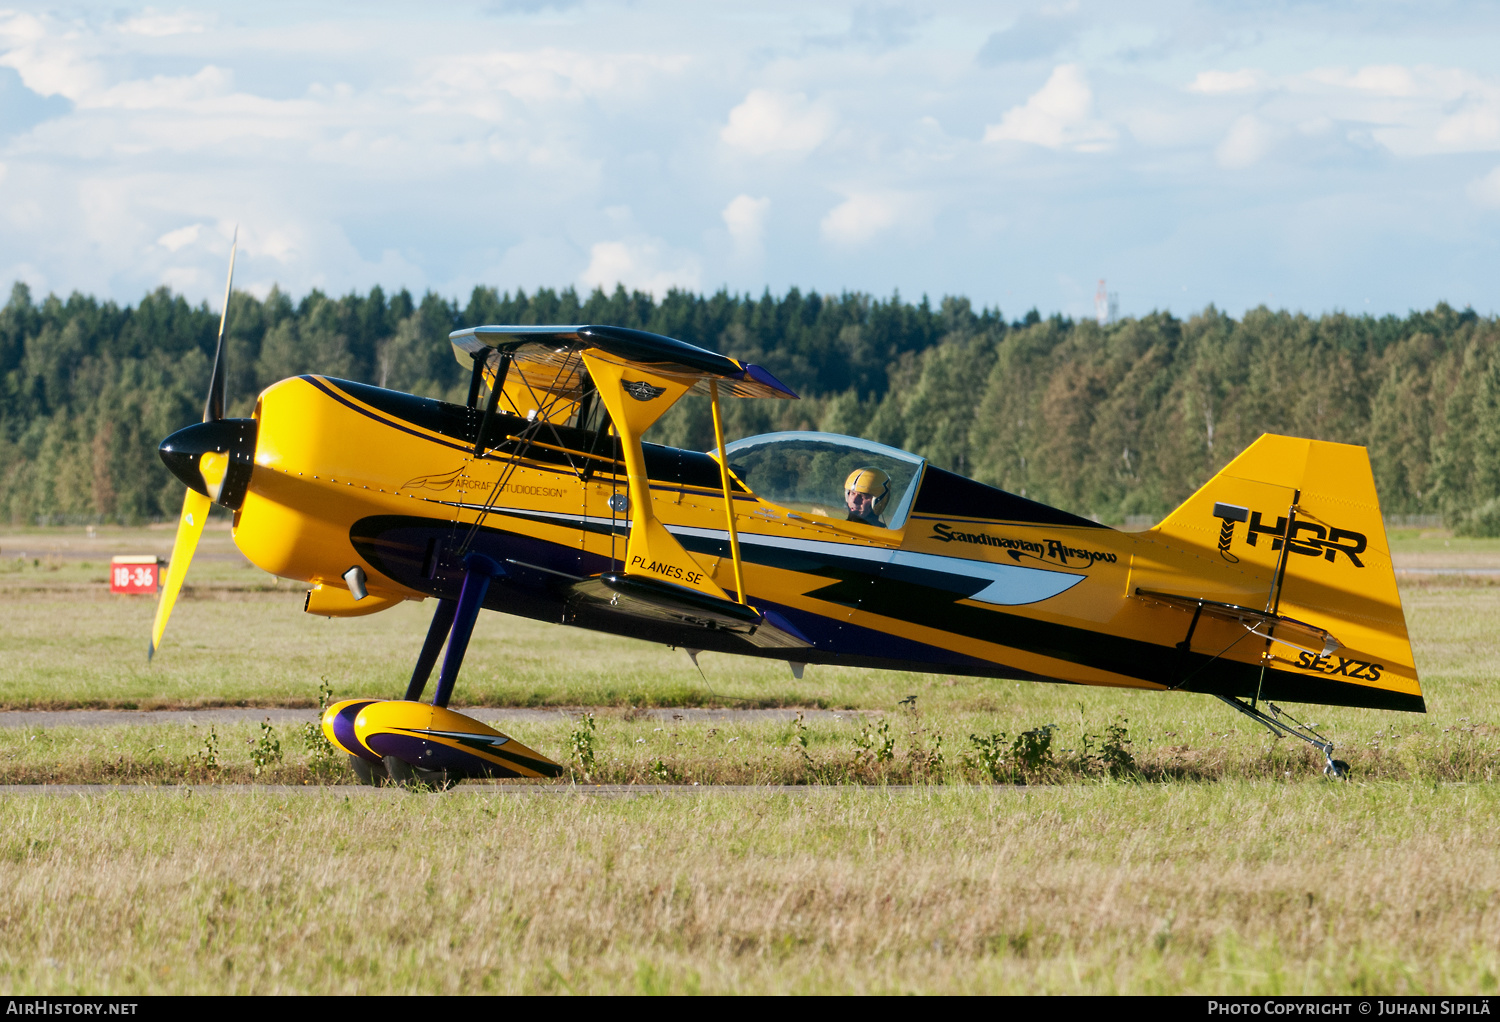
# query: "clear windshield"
x,y
805,472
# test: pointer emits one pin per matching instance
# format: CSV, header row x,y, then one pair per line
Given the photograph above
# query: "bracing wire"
x,y
1201,667
520,444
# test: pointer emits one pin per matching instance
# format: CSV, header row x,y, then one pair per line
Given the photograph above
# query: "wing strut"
x,y
734,536
496,389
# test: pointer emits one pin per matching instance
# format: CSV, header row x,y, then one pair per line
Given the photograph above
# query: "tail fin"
x,y
1337,577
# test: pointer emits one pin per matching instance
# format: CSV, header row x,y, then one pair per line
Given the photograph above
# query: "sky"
x,y
1309,156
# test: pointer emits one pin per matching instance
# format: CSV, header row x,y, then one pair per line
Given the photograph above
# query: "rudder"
x,y
1338,573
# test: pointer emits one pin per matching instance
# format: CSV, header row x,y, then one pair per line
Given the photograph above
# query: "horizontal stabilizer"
x,y
1288,631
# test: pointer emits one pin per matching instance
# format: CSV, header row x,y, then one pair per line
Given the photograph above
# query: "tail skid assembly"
x,y
1335,769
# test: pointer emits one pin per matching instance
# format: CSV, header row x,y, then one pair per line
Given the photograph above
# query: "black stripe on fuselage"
x,y
538,585
586,451
931,599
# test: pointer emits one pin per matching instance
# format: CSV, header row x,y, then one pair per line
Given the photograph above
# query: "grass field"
x,y
238,637
1220,862
899,747
1230,888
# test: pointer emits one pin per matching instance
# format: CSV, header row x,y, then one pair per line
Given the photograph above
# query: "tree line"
x,y
1112,422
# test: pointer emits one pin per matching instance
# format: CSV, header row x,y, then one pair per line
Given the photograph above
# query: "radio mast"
x,y
1106,305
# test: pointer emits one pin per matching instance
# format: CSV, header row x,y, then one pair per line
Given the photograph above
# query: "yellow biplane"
x,y
539,497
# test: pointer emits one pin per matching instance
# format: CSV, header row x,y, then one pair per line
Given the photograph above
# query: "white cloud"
x,y
1486,190
163,92
774,122
173,240
1382,79
59,64
152,22
184,278
1216,82
745,217
478,83
285,243
1475,128
1411,110
1417,81
863,215
1248,141
1060,115
641,265
50,64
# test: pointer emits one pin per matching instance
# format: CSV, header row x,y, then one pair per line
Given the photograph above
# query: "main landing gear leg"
x,y
1336,769
453,622
437,634
478,571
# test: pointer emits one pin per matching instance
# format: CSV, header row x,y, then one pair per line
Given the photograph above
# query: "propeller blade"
x,y
213,409
212,467
189,528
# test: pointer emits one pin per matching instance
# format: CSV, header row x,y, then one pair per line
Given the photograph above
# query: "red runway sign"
x,y
134,574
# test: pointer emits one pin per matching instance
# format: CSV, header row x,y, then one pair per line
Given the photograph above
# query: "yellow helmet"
x,y
870,481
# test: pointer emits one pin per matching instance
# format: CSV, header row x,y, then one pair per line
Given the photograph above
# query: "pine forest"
x,y
1119,423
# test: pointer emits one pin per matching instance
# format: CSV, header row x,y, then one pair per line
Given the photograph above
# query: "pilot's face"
x,y
862,504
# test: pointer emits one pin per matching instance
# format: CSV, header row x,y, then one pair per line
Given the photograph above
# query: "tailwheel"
x,y
1333,769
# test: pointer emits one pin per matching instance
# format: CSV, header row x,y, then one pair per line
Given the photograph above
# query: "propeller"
x,y
214,458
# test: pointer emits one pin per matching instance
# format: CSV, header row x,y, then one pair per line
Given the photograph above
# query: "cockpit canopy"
x,y
804,471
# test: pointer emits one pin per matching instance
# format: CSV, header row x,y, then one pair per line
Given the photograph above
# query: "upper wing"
x,y
546,357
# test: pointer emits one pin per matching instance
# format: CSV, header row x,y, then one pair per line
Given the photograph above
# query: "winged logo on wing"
x,y
641,390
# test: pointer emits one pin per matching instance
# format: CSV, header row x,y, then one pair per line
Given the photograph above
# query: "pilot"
x,y
866,492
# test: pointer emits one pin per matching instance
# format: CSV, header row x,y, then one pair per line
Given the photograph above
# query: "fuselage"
x,y
972,580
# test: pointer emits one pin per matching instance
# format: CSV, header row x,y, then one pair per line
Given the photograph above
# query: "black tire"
x,y
400,772
437,780
1337,769
404,775
367,772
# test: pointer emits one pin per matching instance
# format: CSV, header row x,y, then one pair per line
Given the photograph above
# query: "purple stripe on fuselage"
x,y
842,638
541,595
